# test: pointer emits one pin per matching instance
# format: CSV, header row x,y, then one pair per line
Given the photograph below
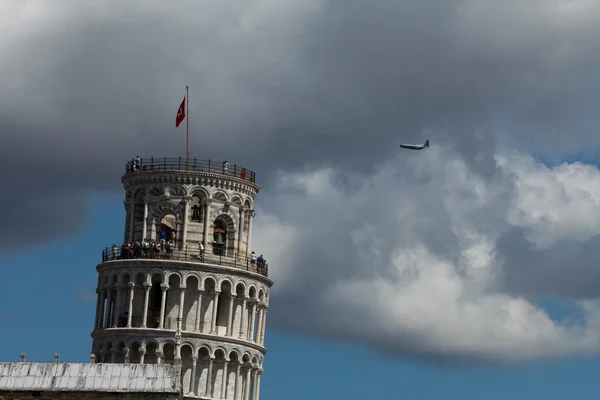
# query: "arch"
x,y
252,292
260,295
160,211
220,195
220,353
225,285
240,289
138,192
151,356
155,272
156,190
234,355
223,235
199,191
204,350
177,190
174,278
248,203
209,283
246,358
168,350
236,199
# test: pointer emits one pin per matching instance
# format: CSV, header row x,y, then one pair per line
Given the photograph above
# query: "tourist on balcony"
x,y
253,258
225,167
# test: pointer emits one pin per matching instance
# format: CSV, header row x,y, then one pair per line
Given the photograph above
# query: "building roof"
x,y
87,377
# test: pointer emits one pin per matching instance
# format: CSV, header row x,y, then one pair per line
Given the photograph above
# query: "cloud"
x,y
277,84
437,254
413,260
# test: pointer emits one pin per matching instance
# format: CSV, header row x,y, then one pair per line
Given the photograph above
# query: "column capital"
x,y
188,199
200,291
146,199
130,285
147,285
164,286
182,288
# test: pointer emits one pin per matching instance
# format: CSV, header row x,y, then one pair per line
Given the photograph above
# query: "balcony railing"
x,y
185,254
193,164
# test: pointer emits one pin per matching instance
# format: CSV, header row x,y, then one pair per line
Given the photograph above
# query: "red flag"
x,y
180,114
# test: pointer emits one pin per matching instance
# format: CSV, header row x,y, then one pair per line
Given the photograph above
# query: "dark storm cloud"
x,y
341,82
568,269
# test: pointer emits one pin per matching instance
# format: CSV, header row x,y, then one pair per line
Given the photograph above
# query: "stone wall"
x,y
76,395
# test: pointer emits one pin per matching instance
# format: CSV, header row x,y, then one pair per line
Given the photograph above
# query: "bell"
x,y
219,239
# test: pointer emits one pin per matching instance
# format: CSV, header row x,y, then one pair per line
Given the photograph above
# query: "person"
x,y
253,258
225,165
201,248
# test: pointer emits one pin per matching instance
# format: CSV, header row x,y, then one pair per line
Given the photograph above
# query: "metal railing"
x,y
193,164
260,266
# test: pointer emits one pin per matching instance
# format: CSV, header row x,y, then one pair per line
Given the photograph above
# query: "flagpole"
x,y
187,125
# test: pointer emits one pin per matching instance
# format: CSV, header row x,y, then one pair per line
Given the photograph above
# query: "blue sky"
x,y
48,308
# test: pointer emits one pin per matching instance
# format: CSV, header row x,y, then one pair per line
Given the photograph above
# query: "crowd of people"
x,y
165,248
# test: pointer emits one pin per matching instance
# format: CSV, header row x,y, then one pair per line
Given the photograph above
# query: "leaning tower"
x,y
183,287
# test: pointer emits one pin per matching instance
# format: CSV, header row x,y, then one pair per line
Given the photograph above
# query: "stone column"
x,y
244,322
98,301
177,358
198,309
208,390
101,309
142,355
224,380
263,326
259,326
115,317
108,305
213,326
181,302
163,303
147,287
193,377
131,219
239,251
251,214
247,385
257,384
205,228
254,373
230,316
253,322
131,293
145,220
238,376
186,202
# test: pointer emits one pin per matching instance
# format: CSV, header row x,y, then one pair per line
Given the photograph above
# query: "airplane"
x,y
415,146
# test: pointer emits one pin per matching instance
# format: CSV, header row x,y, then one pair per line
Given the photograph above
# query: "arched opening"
x,y
223,308
154,302
151,356
169,353
187,364
167,228
201,384
134,353
219,237
219,373
224,243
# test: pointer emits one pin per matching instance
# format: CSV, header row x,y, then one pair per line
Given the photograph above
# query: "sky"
x,y
468,270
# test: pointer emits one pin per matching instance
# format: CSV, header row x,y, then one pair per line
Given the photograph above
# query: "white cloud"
x,y
406,260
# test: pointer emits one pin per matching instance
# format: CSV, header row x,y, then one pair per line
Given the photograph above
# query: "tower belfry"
x,y
184,287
